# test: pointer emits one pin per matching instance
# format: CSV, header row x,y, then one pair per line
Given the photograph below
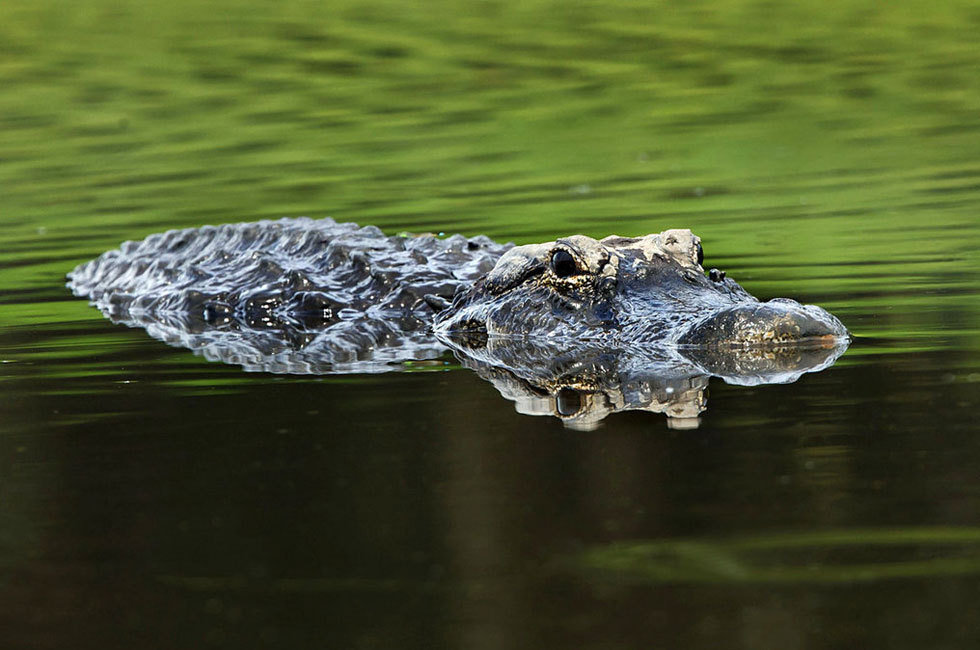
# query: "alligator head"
x,y
632,291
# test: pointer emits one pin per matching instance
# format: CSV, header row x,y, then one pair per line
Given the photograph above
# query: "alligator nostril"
x,y
715,275
608,284
568,402
700,255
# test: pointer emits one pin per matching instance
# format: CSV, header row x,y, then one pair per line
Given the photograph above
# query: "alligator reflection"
x,y
582,386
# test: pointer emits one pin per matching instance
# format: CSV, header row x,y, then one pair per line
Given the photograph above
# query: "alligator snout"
x,y
777,322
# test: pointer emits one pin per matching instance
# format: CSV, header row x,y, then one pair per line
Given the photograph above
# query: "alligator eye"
x,y
700,255
563,264
568,402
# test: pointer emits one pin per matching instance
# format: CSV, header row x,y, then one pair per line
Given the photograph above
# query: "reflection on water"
x,y
580,384
819,557
149,498
584,384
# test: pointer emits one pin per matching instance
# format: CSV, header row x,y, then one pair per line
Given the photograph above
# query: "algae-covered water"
x,y
823,151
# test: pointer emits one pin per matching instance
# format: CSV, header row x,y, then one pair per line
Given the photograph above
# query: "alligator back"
x,y
339,292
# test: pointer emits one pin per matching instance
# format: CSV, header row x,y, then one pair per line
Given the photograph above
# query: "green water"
x,y
823,151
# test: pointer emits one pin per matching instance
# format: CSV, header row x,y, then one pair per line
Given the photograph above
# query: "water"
x,y
149,497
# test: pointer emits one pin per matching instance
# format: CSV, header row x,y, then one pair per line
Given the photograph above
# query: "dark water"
x,y
151,498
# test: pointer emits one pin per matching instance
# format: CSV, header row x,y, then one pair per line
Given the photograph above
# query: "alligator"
x,y
317,296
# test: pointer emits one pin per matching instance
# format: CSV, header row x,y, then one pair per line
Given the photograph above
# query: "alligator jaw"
x,y
777,323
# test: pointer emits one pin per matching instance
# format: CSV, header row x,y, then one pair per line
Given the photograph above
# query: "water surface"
x,y
150,497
